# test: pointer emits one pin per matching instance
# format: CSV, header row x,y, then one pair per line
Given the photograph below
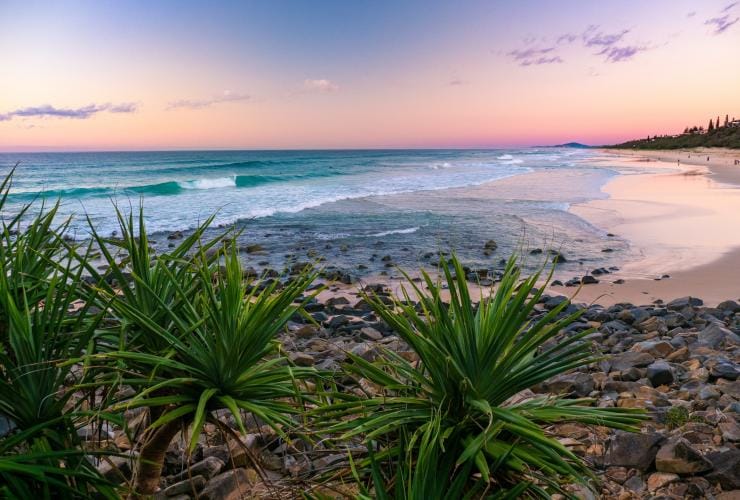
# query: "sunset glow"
x,y
193,75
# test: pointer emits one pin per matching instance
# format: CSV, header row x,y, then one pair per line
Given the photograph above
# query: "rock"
x,y
729,306
716,336
632,450
627,360
207,468
726,469
657,480
709,392
660,373
684,302
679,457
117,469
588,280
302,359
577,384
490,245
253,248
306,332
235,484
730,430
369,333
186,486
726,370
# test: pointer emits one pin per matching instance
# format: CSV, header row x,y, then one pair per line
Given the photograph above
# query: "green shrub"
x,y
447,426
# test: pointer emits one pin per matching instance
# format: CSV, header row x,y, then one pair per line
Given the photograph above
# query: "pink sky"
x,y
331,74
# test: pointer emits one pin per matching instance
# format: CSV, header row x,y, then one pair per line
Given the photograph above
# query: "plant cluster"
x,y
183,337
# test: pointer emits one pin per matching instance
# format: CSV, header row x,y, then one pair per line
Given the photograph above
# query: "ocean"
x,y
360,210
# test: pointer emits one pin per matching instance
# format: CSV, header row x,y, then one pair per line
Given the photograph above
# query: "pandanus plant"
x,y
44,329
454,423
196,338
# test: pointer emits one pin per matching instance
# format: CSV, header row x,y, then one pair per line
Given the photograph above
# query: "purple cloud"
x,y
691,14
619,54
534,56
593,38
226,96
567,38
456,82
82,113
724,21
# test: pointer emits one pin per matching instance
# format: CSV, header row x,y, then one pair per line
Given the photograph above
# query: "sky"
x,y
313,74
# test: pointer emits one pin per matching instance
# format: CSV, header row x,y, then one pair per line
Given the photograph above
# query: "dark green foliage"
x,y
715,137
447,426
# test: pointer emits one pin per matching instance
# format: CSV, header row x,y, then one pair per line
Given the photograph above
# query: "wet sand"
x,y
684,222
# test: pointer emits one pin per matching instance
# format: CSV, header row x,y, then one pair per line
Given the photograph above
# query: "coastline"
x,y
683,221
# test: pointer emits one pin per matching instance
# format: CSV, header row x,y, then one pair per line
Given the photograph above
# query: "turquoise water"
x,y
354,207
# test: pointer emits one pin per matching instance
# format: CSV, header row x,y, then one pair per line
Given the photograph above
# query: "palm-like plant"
x,y
40,452
203,341
449,425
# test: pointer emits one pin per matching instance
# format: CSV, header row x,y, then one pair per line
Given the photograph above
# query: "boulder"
x,y
684,302
186,486
717,337
577,384
659,373
627,360
235,484
207,468
679,457
726,469
637,451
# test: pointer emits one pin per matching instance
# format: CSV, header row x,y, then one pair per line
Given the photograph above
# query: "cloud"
x,y
82,113
535,56
593,38
691,14
619,54
226,96
456,82
723,22
321,85
610,45
567,38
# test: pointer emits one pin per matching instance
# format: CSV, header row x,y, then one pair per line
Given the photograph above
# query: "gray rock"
x,y
684,302
231,485
207,468
632,450
117,469
628,360
577,384
370,333
729,306
726,469
186,486
725,369
302,359
679,457
660,373
717,337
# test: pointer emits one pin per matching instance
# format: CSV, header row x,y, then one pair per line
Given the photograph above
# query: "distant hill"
x,y
572,145
722,137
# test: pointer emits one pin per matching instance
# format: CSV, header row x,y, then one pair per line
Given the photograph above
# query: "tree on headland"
x,y
711,125
727,120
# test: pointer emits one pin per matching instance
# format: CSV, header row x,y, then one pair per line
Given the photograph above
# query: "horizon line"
x,y
177,150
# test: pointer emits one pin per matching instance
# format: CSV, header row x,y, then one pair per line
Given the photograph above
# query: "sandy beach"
x,y
685,223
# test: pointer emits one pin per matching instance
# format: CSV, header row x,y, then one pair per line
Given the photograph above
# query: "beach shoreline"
x,y
694,200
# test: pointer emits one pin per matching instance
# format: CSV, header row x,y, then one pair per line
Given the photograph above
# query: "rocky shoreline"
x,y
679,361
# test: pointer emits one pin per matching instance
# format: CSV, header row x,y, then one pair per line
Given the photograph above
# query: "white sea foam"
x,y
504,157
409,230
218,182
